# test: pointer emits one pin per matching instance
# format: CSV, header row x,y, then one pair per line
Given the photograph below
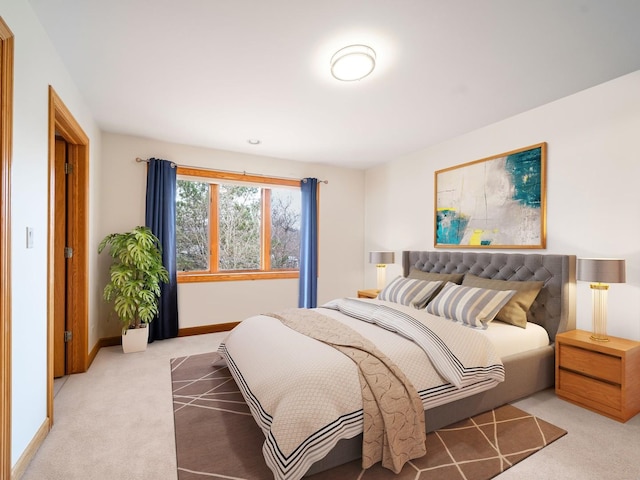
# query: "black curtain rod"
x,y
173,165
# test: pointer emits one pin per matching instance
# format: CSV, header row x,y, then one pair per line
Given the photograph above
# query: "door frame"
x,y
6,136
63,124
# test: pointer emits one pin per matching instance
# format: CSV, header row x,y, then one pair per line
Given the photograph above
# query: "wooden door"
x,y
68,279
60,270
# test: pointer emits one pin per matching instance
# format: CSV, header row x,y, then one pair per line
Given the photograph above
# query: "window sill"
x,y
234,276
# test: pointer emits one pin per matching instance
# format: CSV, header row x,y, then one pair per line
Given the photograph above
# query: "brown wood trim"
x,y
265,234
214,228
228,277
111,341
213,274
236,177
38,439
94,351
67,127
219,327
63,124
103,342
6,136
183,332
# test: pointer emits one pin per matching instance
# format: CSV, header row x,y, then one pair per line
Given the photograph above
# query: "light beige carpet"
x,y
216,436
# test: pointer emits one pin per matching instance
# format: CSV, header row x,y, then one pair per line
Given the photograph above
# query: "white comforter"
x,y
305,395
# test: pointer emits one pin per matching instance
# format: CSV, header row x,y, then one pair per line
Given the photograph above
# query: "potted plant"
x,y
134,285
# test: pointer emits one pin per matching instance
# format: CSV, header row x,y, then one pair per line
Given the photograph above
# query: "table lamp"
x,y
381,259
600,272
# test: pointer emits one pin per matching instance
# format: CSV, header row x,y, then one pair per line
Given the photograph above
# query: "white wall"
x,y
593,168
36,67
593,199
341,223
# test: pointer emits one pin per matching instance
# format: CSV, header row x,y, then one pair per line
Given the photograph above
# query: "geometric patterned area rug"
x,y
217,438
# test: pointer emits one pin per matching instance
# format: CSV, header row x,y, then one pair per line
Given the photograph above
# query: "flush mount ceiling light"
x,y
353,63
254,141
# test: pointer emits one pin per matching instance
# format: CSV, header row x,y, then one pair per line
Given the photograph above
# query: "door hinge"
x,y
68,252
68,336
68,168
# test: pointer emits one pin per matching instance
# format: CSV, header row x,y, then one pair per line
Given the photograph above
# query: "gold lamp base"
x,y
381,270
599,300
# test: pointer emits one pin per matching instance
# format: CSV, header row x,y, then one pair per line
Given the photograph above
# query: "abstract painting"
x,y
496,202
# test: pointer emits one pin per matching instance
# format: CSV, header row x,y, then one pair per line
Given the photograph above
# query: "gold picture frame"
x,y
495,202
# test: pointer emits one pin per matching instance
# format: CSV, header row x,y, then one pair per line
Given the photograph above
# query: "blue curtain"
x,y
308,293
161,219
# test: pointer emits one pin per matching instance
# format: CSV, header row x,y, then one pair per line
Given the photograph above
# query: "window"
x,y
236,227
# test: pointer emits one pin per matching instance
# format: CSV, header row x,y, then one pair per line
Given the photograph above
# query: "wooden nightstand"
x,y
371,293
601,376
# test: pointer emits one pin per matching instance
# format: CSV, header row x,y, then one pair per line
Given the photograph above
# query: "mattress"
x,y
509,340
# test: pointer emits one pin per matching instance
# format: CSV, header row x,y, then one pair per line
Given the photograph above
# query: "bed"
x,y
279,369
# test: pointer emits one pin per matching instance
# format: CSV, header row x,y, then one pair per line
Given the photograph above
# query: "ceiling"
x,y
216,73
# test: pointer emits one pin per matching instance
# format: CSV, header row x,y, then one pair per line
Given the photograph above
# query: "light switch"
x,y
29,237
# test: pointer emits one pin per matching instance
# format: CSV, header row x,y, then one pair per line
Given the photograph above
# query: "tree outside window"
x,y
231,230
192,226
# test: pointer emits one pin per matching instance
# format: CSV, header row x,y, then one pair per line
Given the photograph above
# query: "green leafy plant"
x,y
135,275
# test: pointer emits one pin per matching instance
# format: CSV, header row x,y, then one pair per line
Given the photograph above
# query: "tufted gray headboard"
x,y
554,308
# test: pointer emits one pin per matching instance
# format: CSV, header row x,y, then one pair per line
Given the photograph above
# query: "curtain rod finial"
x,y
319,181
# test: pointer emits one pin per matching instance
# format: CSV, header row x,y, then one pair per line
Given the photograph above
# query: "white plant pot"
x,y
135,339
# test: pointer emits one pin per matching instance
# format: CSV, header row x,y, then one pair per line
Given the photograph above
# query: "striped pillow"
x,y
515,310
408,291
472,306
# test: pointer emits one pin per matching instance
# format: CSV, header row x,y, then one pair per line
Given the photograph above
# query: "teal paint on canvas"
x,y
498,201
525,169
450,226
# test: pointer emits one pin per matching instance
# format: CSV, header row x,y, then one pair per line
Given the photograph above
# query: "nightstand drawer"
x,y
594,364
601,376
590,390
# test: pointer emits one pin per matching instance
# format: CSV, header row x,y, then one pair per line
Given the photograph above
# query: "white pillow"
x,y
472,306
409,291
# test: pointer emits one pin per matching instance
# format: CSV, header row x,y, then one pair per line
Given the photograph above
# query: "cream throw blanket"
x,y
394,428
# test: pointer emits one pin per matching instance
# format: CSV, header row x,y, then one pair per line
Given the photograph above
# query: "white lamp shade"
x,y
601,270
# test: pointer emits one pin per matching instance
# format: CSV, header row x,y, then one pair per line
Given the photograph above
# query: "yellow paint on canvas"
x,y
476,237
